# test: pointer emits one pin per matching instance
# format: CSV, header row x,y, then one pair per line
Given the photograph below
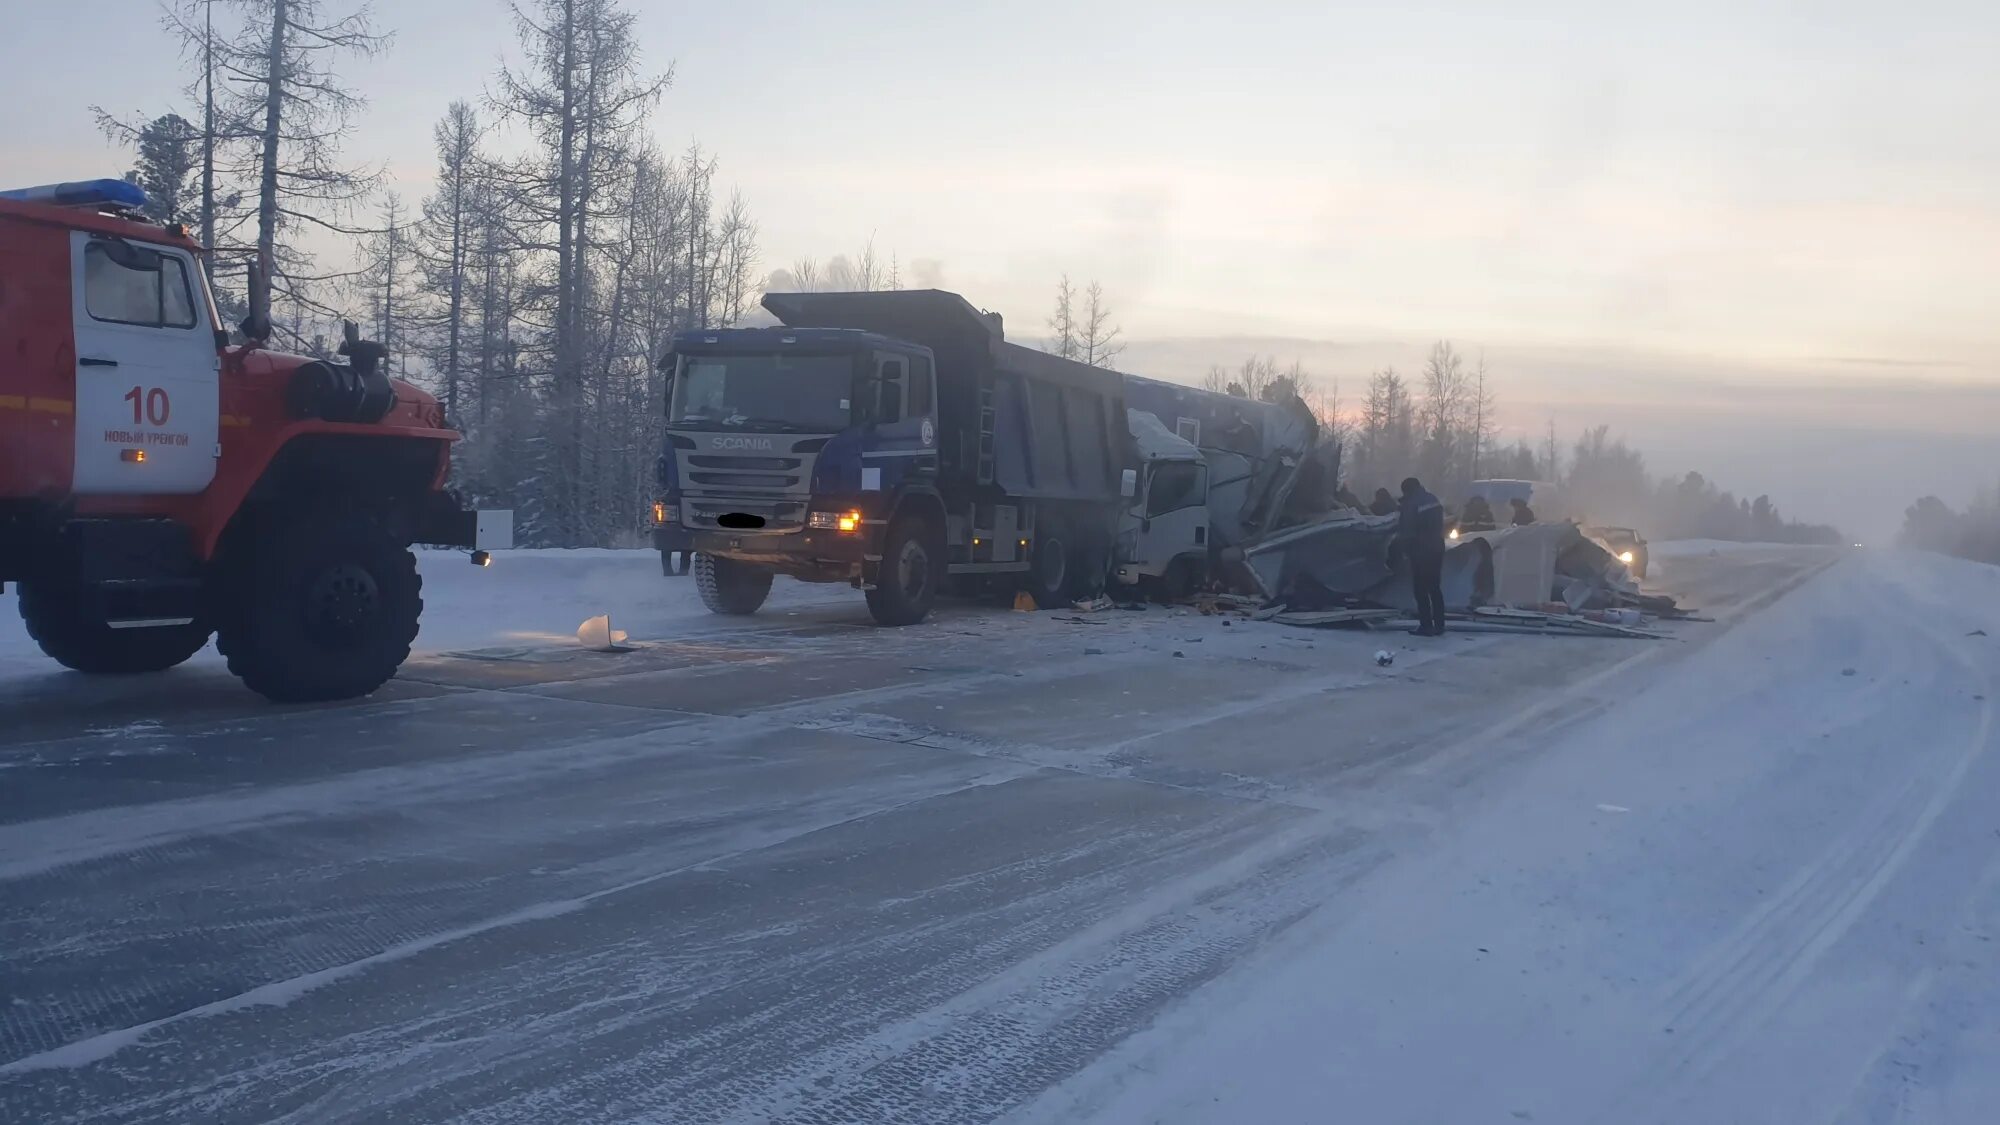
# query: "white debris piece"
x,y
597,633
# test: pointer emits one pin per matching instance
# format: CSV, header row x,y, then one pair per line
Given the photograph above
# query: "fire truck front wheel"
x,y
55,619
320,608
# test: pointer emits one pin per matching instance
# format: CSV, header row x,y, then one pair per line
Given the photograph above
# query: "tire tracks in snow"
x,y
1747,977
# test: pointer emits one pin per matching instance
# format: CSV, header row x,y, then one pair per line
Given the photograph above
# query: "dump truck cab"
x,y
792,448
160,485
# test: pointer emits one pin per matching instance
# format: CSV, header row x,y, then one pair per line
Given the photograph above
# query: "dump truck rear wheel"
x,y
1050,570
320,608
912,568
730,587
53,613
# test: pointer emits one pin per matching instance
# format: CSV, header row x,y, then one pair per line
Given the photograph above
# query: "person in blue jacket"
x,y
1420,527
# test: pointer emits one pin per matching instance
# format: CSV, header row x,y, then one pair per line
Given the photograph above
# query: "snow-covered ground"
x,y
1126,866
525,597
1764,888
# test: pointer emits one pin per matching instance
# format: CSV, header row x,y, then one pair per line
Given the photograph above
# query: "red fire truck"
x,y
160,485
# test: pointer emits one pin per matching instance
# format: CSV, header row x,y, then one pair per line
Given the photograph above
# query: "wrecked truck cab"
x,y
1163,533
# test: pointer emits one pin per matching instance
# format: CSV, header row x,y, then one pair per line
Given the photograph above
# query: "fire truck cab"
x,y
160,485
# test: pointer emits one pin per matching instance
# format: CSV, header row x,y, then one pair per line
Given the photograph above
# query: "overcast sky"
x,y
1762,239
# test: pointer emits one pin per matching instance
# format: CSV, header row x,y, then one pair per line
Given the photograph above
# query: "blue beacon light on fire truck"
x,y
82,193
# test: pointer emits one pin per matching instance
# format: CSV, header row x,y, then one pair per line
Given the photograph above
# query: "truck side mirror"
x,y
1128,483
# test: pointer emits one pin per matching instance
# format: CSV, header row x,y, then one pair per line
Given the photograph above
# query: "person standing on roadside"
x,y
1420,527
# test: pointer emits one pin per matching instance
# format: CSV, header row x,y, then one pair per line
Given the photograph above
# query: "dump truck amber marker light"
x,y
132,456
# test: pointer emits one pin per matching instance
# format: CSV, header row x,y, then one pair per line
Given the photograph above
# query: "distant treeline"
x,y
1442,427
1932,525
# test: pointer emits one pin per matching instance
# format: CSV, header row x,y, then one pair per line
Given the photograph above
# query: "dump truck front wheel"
x,y
912,569
730,587
55,617
320,608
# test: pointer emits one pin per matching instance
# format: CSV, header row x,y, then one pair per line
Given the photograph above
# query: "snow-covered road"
x,y
1147,866
1766,888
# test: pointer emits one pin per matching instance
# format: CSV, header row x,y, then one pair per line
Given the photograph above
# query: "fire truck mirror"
x,y
128,256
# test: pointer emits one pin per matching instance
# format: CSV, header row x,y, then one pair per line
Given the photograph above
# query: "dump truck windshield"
x,y
763,392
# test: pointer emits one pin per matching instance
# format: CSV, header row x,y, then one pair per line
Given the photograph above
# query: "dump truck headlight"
x,y
1454,533
1625,557
834,521
664,514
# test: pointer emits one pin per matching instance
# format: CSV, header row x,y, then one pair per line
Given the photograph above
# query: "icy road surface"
x,y
1142,866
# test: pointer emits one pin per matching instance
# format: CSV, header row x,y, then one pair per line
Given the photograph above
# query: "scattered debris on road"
x,y
1325,617
1343,571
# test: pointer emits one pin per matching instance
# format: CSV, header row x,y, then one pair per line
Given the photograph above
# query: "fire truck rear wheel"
x,y
320,608
53,615
730,587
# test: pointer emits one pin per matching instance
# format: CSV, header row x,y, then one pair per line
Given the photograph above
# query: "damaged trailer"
x,y
1350,557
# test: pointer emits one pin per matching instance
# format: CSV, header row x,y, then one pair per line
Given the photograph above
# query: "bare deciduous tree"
x,y
582,96
1441,417
1097,342
1063,329
1255,376
293,114
444,242
1484,423
386,279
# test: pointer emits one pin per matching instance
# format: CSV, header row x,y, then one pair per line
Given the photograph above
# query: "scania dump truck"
x,y
160,485
895,440
891,440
